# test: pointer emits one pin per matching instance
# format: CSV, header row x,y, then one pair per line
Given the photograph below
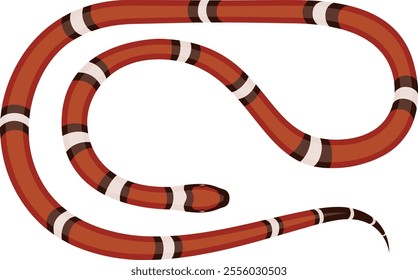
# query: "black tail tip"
x,y
387,242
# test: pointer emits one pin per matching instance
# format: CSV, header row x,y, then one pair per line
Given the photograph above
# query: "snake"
x,y
317,152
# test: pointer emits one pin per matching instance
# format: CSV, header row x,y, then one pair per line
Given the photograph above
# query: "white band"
x,y
115,187
321,216
351,214
74,138
275,227
77,22
185,51
94,71
202,10
14,117
245,90
373,222
314,152
179,198
60,222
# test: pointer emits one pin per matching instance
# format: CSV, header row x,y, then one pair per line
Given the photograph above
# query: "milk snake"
x,y
318,152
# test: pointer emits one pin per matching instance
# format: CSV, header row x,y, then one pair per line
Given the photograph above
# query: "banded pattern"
x,y
406,97
244,89
203,11
191,198
315,151
78,23
61,223
14,117
167,247
322,13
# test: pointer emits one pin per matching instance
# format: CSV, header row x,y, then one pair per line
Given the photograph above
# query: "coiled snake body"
x,y
318,152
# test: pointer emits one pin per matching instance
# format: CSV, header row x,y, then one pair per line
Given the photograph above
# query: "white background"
x,y
166,123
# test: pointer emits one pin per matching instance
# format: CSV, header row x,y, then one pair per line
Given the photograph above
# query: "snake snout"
x,y
205,198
